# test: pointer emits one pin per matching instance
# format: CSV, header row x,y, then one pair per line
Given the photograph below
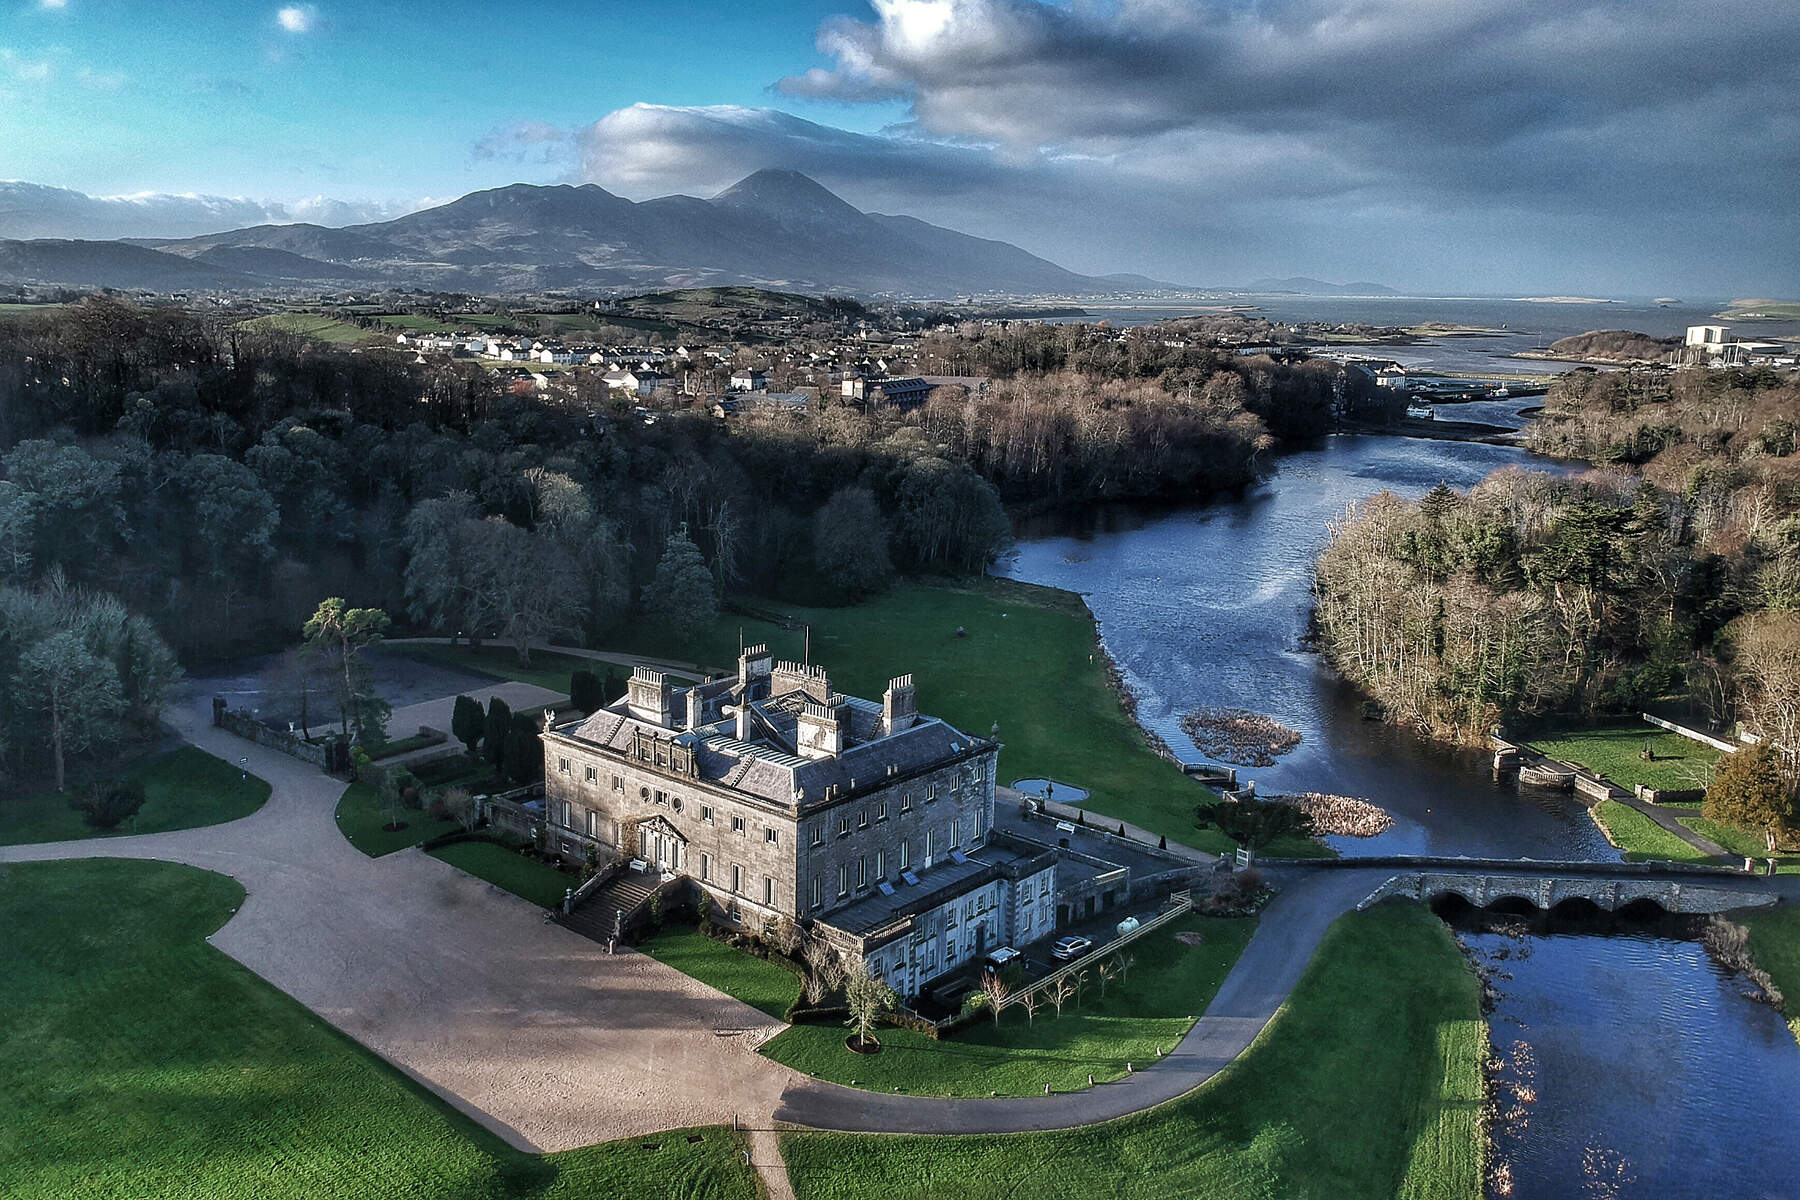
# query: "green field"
x,y
361,815
183,789
139,1063
1368,1084
1153,1008
1764,310
1640,838
547,670
510,871
1775,945
318,327
1614,751
1029,664
758,982
1745,843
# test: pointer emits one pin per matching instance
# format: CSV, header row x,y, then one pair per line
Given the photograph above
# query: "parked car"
x,y
1071,947
999,959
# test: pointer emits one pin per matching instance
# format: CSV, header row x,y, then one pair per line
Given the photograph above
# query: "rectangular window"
x,y
562,766
818,891
618,784
881,864
881,811
955,833
862,872
567,816
978,822
905,801
662,797
929,840
843,826
905,853
737,879
706,813
593,823
1025,927
843,879
772,836
818,835
705,867
862,818
1030,890
949,951
591,775
768,890
930,792
737,825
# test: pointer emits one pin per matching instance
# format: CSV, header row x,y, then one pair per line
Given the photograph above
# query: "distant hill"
x,y
773,229
56,261
1612,346
1300,285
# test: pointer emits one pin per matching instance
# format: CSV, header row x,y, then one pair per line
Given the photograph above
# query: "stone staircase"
x,y
593,917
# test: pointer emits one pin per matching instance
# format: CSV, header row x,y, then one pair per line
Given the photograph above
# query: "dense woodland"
x,y
1671,569
213,481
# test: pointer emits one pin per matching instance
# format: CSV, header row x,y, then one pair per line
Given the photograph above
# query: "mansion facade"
x,y
868,822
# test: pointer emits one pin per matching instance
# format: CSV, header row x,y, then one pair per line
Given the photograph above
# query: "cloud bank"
x,y
31,210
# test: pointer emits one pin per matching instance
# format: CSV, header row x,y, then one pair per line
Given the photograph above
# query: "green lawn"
x,y
1171,984
1641,838
319,328
758,982
139,1063
1614,751
1029,663
361,815
1367,1085
510,871
1743,842
502,662
1775,945
183,789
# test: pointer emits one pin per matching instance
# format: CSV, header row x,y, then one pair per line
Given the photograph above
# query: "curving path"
x,y
530,1029
1285,938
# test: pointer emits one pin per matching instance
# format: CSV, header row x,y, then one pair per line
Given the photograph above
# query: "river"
x,y
1632,1067
1208,606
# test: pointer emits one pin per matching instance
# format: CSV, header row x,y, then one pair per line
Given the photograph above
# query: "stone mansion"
x,y
869,823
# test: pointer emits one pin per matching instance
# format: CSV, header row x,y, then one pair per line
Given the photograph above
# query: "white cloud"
x,y
30,210
16,66
298,18
53,5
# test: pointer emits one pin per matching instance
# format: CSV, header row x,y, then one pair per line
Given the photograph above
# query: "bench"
x,y
639,865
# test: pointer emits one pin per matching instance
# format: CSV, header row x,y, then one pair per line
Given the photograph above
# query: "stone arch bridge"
x,y
1545,890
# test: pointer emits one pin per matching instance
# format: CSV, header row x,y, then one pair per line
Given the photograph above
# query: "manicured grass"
x,y
183,789
407,745
361,815
138,1063
1775,945
1029,663
1743,842
1169,986
319,328
1640,838
547,670
761,984
510,871
1368,1084
1615,752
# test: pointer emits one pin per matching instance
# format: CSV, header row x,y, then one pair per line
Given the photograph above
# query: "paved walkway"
x,y
436,714
527,1027
617,658
1664,818
1252,993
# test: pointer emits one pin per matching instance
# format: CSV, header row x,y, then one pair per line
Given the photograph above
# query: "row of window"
x,y
658,796
739,879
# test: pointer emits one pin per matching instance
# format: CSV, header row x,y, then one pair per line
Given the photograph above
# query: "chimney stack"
x,y
754,663
648,696
696,708
823,729
899,705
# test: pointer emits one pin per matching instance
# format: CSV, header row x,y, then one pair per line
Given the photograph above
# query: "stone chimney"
x,y
696,708
899,705
648,696
823,729
754,663
788,677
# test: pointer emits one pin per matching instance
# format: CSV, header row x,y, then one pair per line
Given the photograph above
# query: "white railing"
x,y
1181,903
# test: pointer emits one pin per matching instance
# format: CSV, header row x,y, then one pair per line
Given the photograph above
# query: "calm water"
x,y
1632,1066
1208,606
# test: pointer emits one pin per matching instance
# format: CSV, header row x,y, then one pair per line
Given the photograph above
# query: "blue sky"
x,y
1625,147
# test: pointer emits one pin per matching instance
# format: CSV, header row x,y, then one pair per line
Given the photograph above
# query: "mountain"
x,y
57,261
772,229
1300,285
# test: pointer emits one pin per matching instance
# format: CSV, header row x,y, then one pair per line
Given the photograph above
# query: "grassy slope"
x,y
1775,944
1641,838
1029,664
758,982
183,789
319,328
361,815
1613,751
1367,1085
1745,842
1171,984
138,1063
510,871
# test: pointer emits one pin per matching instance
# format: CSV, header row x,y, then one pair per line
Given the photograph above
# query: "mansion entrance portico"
x,y
661,845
